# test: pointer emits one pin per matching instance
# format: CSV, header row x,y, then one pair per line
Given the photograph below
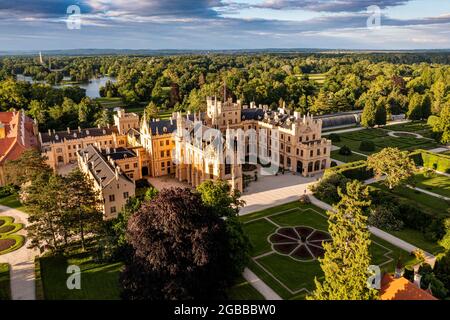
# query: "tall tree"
x,y
25,169
151,111
181,250
368,117
347,258
83,205
394,163
442,124
217,196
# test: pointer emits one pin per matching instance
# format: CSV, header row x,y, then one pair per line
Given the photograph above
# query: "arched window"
x,y
317,165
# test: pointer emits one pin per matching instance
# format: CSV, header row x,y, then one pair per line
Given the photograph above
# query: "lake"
x,y
92,87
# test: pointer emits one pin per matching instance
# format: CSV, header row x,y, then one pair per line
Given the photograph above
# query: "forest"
x,y
415,83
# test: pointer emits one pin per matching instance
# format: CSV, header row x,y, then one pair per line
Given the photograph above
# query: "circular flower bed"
x,y
6,244
301,243
8,240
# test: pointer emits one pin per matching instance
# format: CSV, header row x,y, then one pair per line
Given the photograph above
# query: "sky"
x,y
224,24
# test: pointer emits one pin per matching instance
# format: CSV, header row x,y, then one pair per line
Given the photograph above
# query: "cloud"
x,y
329,5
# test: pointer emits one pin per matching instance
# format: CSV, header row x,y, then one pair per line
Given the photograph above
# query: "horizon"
x,y
218,25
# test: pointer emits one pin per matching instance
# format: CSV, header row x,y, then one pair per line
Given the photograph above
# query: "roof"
x,y
19,130
402,289
252,114
119,153
76,134
163,126
101,169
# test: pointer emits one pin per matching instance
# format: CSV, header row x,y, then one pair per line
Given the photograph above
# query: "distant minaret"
x,y
40,58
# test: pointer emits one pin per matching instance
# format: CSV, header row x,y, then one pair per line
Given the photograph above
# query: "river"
x,y
92,87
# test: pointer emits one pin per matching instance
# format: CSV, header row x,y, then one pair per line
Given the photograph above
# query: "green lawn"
x,y
5,291
433,205
318,77
419,127
438,183
243,290
12,201
382,140
290,278
417,238
111,103
351,158
99,281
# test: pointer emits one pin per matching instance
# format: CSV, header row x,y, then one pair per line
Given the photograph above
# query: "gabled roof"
x,y
20,136
102,170
76,134
402,289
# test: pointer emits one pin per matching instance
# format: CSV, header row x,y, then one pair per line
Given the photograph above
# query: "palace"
x,y
17,134
134,148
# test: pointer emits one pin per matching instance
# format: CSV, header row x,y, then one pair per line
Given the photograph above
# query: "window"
x,y
68,147
70,155
301,153
163,165
325,150
112,198
318,152
135,165
126,195
168,153
161,143
300,139
298,151
314,137
113,209
307,138
59,150
168,163
162,154
167,142
311,153
288,149
127,167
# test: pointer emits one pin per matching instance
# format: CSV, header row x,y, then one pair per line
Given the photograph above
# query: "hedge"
x,y
430,160
353,170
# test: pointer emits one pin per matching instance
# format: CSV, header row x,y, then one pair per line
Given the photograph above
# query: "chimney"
x,y
117,172
399,270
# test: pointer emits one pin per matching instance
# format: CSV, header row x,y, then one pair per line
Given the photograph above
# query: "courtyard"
x,y
287,242
270,191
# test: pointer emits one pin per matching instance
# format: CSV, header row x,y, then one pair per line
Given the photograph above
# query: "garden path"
x,y
260,286
429,258
21,261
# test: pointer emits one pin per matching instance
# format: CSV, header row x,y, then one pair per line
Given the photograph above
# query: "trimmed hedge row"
x,y
354,170
430,160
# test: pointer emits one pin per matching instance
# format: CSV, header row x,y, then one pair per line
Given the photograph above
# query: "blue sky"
x,y
224,24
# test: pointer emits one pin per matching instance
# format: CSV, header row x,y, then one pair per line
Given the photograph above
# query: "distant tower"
x,y
40,58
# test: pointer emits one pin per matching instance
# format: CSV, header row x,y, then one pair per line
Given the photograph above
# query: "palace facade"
x,y
138,148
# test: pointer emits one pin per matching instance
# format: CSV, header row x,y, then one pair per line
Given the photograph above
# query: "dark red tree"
x,y
180,250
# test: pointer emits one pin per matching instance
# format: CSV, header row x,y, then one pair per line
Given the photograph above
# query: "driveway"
x,y
21,261
271,191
